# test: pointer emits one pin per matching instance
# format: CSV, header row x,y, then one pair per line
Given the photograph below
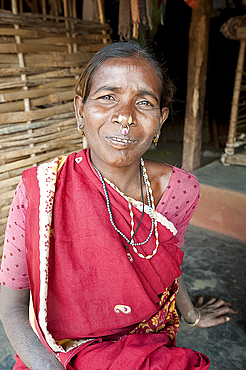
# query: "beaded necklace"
x,y
152,212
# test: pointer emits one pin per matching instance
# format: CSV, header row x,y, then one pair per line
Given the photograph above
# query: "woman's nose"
x,y
123,119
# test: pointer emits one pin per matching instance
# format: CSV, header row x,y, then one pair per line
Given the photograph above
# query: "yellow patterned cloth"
x,y
166,319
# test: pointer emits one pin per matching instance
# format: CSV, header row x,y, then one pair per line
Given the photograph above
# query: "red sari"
x,y
94,304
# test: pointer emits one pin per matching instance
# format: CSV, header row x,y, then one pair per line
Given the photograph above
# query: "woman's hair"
x,y
125,49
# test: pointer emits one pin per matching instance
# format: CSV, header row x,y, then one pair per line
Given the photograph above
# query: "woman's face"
x,y
126,87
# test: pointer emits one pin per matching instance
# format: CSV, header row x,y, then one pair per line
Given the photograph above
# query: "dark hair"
x,y
125,49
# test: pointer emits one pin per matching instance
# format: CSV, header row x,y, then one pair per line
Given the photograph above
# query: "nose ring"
x,y
124,130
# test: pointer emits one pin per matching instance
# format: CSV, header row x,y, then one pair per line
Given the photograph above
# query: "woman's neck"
x,y
126,178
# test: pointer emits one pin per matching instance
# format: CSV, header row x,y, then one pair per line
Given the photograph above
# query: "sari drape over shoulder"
x,y
93,303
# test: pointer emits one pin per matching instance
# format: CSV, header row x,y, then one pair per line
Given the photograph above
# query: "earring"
x,y
156,138
81,129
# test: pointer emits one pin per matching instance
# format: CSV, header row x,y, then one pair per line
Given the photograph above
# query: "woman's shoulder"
x,y
165,171
159,175
180,175
158,169
165,176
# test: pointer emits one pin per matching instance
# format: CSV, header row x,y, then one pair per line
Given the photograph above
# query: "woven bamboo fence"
x,y
41,57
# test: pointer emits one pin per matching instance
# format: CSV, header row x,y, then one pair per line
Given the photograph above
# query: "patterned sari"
x,y
94,304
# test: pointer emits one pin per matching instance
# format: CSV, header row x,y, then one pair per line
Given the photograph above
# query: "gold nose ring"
x,y
124,130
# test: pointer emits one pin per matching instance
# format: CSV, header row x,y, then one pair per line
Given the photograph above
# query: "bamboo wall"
x,y
41,58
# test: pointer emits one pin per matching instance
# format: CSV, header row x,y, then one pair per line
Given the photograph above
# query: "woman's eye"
x,y
106,97
145,103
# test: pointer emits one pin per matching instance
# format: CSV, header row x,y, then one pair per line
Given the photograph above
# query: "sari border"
x,y
47,177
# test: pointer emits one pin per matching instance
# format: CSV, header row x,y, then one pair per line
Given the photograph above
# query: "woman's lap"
x,y
135,352
139,352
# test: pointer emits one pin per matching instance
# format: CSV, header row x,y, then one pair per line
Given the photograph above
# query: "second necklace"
x,y
152,213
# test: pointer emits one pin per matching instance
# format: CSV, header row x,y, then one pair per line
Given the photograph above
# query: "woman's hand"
x,y
214,312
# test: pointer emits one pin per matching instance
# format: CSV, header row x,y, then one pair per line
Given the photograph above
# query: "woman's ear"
x,y
164,115
79,108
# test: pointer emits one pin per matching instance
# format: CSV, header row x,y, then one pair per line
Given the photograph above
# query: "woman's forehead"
x,y
131,63
122,71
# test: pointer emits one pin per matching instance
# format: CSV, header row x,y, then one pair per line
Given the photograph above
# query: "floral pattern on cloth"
x,y
166,319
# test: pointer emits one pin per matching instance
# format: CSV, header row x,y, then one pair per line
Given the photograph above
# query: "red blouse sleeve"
x,y
13,273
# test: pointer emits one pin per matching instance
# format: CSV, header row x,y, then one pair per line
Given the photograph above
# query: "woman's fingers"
x,y
222,311
214,312
211,301
216,304
209,322
219,302
200,301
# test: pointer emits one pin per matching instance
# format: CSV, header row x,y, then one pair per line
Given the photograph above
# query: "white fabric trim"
x,y
47,176
139,205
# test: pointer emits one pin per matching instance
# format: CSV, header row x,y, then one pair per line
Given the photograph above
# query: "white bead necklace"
x,y
152,213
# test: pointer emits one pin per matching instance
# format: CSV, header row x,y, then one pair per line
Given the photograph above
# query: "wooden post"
x,y
22,65
196,84
229,157
101,18
89,12
66,14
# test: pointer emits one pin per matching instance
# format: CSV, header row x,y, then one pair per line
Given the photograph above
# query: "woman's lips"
x,y
120,140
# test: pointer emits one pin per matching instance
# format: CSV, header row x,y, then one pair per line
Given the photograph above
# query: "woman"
x,y
102,259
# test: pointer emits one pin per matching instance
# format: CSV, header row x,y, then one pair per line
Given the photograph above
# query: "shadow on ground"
x,y
214,266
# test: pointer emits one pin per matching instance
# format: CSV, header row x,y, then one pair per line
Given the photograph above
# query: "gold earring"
x,y
156,138
81,129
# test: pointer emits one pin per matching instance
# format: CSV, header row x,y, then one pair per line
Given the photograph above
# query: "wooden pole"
x,y
66,14
88,12
235,98
228,157
22,65
21,6
44,7
101,17
74,15
54,2
196,84
100,11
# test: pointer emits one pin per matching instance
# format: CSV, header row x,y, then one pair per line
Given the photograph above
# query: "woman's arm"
x,y
14,315
212,313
